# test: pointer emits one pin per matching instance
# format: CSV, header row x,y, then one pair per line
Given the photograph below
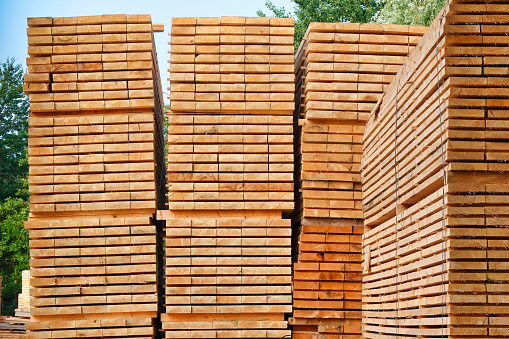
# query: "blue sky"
x,y
13,15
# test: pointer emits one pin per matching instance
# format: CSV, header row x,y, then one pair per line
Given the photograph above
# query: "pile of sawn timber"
x,y
342,70
435,184
230,175
96,140
435,250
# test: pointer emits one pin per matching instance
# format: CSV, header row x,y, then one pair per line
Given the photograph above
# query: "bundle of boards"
x,y
14,326
22,312
24,296
230,175
342,70
96,140
10,328
435,187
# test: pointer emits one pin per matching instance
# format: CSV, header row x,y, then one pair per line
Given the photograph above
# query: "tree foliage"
x,y
402,12
307,11
14,206
276,12
409,12
14,108
14,252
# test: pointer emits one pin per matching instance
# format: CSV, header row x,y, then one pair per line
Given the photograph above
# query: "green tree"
x,y
14,109
410,12
14,253
14,206
307,11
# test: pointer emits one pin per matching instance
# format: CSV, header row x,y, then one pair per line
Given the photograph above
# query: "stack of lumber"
x,y
435,185
342,70
96,148
14,327
24,296
235,150
230,174
81,160
90,63
236,271
23,310
231,64
10,328
92,162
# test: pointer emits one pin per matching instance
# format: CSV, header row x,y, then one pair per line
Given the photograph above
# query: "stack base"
x,y
327,279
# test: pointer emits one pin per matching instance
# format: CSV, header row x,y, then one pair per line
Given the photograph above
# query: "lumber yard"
x,y
355,188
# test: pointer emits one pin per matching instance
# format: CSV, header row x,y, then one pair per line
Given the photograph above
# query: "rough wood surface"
x,y
433,258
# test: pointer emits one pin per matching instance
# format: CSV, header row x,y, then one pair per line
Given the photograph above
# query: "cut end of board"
x,y
158,28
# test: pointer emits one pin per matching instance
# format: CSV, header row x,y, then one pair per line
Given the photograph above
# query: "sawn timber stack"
x,y
435,188
96,146
230,174
342,70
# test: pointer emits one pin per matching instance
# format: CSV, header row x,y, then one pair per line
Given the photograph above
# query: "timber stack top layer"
x,y
90,63
435,187
232,64
96,147
342,70
230,164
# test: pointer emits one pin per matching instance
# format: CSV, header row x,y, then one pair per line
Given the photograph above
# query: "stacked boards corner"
x,y
96,142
